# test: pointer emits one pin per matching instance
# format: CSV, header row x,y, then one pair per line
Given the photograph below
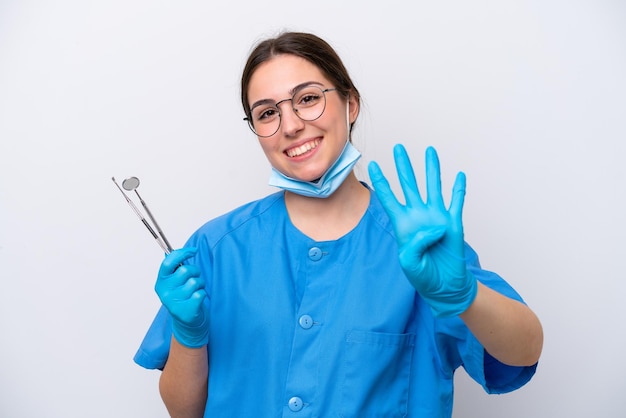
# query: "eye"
x,y
265,114
308,98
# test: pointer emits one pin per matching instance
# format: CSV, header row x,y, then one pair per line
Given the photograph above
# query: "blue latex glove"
x,y
181,290
430,238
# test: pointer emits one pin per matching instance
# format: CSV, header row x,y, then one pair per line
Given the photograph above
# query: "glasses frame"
x,y
248,118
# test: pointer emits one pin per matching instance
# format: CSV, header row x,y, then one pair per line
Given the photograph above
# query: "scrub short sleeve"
x,y
494,376
155,347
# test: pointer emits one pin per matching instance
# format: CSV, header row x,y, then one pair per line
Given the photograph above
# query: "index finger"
x,y
174,259
382,189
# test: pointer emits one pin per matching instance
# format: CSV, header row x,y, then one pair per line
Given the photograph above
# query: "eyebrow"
x,y
290,92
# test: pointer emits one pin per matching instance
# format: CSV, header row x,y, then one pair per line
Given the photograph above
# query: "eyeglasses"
x,y
308,103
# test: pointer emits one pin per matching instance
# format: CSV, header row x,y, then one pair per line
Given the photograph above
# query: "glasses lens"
x,y
309,103
265,120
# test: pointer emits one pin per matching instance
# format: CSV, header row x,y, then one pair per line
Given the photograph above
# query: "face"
x,y
300,149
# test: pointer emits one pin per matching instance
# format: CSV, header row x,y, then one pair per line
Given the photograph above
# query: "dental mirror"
x,y
130,183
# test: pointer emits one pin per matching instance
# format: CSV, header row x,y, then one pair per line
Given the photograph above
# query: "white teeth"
x,y
294,152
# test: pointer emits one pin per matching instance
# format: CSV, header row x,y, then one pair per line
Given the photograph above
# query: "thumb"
x,y
420,243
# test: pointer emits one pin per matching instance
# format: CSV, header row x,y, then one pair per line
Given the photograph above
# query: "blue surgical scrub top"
x,y
303,328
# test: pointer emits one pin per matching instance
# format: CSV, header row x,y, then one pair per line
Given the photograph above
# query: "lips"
x,y
302,149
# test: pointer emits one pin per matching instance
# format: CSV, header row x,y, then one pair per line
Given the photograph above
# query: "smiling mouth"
x,y
302,149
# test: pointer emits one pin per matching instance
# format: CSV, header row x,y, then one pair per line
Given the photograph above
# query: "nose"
x,y
289,120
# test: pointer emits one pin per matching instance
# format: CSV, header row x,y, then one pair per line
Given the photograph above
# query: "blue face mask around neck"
x,y
327,184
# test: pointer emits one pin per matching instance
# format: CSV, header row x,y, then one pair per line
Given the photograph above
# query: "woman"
x,y
327,298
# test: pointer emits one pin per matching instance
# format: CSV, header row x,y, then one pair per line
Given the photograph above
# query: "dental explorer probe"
x,y
143,220
131,184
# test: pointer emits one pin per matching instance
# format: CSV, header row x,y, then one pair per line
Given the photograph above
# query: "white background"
x,y
527,97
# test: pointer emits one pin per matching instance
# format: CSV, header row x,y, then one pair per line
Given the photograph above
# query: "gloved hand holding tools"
x,y
181,290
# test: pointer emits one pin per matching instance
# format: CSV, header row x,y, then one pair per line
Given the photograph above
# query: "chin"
x,y
313,178
304,176
308,174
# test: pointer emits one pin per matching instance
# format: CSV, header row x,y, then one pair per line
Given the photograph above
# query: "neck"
x,y
330,218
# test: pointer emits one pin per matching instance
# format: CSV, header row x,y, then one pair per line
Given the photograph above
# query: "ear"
x,y
354,107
